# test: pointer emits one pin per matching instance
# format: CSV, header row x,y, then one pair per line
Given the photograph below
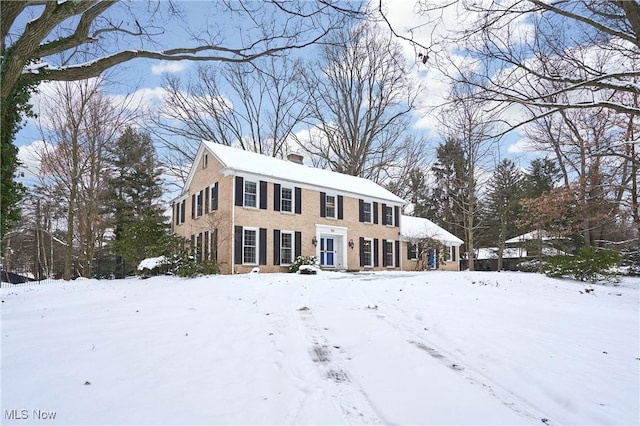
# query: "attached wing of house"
x,y
244,210
418,235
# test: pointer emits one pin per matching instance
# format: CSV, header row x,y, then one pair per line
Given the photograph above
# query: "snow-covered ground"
x,y
334,348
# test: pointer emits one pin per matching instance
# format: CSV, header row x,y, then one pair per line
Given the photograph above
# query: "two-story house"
x,y
245,210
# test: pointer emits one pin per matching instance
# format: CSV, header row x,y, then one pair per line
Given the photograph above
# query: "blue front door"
x,y
327,252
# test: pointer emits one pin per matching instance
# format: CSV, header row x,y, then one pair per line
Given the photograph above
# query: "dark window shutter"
x,y
397,265
375,252
193,206
276,246
176,213
340,207
207,198
214,197
263,247
384,252
437,258
276,197
396,214
263,195
298,200
361,249
183,211
375,213
239,191
361,211
237,255
298,243
323,204
453,253
384,214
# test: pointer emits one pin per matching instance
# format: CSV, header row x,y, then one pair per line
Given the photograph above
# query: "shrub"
x,y
588,265
192,268
303,260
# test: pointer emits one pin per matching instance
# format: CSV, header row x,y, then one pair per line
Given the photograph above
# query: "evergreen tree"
x,y
503,204
420,195
449,195
541,178
134,191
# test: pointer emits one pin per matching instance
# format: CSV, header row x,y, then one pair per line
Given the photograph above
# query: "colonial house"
x,y
244,210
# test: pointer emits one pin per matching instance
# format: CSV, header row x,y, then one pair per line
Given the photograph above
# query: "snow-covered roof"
x,y
238,160
511,252
533,235
417,227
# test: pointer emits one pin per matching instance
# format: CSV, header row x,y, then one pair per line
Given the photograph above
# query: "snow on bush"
x,y
303,260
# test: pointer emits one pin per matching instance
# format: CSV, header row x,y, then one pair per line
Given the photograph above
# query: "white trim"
x,y
340,233
257,246
244,193
370,221
293,199
372,262
335,205
293,246
393,253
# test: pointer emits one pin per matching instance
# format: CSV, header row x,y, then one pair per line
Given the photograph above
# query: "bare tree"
x,y
92,36
361,100
82,123
581,49
255,106
469,123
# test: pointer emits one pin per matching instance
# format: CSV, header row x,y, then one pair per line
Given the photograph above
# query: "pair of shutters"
x,y
211,198
375,248
361,211
297,198
262,246
297,245
339,207
262,193
396,216
397,253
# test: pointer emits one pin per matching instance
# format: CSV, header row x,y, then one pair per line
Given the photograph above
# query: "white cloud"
x,y
522,145
30,157
171,67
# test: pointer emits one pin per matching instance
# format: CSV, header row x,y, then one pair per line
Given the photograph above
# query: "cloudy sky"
x,y
140,79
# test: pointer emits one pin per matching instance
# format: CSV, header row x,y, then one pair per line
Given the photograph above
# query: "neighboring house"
x,y
418,235
244,210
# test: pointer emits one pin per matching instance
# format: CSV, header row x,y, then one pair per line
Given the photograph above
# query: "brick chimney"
x,y
296,158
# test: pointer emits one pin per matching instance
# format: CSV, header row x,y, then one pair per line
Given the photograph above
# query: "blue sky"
x,y
142,77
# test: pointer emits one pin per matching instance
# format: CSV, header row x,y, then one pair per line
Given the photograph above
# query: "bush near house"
x,y
589,264
303,260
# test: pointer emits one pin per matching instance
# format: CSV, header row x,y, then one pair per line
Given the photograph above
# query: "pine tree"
x,y
449,192
134,198
503,203
541,177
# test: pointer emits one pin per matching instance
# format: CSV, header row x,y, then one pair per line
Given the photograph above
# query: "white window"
x,y
250,194
366,212
286,247
250,246
413,251
330,206
286,199
205,161
181,207
367,252
199,200
388,253
388,215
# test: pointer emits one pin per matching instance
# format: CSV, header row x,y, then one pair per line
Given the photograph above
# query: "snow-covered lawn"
x,y
335,348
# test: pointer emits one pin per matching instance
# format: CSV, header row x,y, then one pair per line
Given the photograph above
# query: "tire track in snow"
x,y
420,339
330,362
